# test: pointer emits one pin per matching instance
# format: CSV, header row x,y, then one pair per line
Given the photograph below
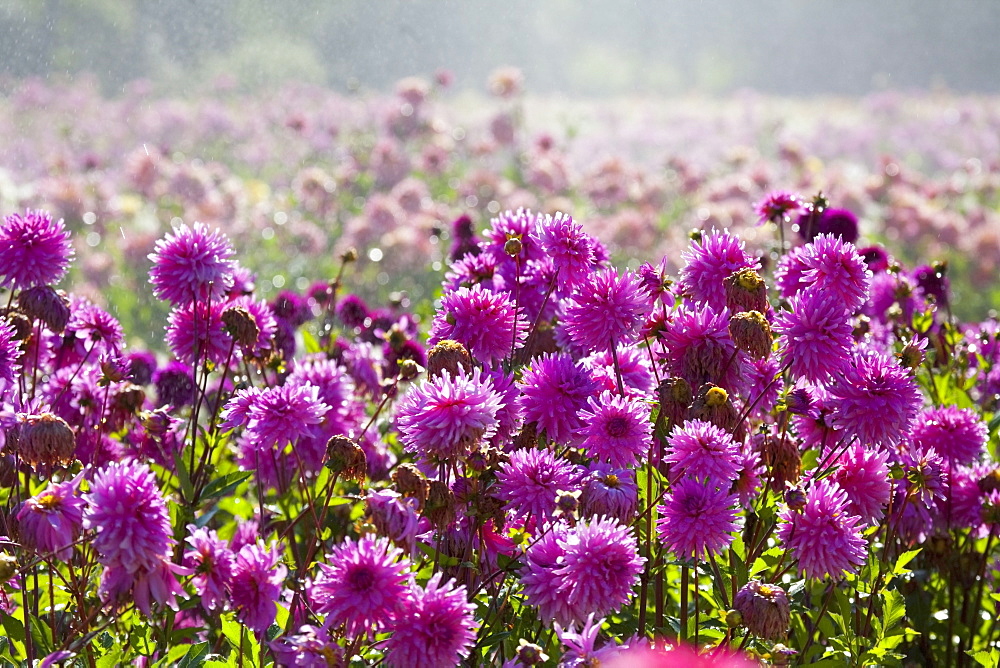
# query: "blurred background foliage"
x,y
573,47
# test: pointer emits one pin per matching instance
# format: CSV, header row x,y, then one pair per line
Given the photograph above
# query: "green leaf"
x,y
893,609
187,489
309,342
989,658
225,485
901,562
195,656
172,657
113,658
41,635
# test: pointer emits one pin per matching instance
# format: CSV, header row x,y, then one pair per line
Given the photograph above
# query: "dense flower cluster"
x,y
579,453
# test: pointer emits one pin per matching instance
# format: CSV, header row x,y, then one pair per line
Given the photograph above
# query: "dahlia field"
x,y
393,380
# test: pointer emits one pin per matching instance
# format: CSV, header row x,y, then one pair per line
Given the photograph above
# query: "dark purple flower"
x,y
839,223
174,383
291,308
192,264
463,238
34,250
876,257
932,282
352,311
141,366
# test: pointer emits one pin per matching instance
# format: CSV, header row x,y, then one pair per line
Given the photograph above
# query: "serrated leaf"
x,y
984,657
893,609
113,658
225,485
903,559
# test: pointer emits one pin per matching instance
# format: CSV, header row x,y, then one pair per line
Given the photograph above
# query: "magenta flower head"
x,y
700,349
530,480
570,248
778,207
608,310
708,262
133,536
572,572
697,517
282,415
703,450
554,390
609,491
487,323
824,538
442,418
212,561
34,250
255,588
435,627
192,264
863,474
616,429
196,333
361,585
10,353
957,434
828,264
875,400
94,327
50,521
815,337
